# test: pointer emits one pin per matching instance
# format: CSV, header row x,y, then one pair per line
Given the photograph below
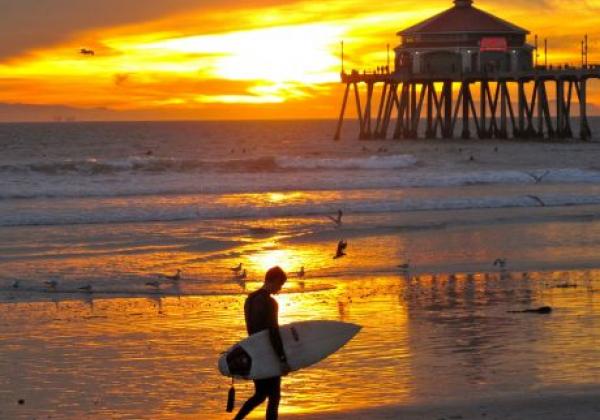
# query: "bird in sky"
x,y
341,247
86,51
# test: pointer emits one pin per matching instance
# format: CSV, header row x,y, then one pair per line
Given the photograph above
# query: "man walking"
x,y
261,313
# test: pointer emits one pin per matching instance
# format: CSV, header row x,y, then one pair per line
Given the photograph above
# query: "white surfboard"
x,y
305,343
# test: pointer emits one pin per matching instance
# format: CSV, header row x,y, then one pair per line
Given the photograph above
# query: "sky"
x,y
226,59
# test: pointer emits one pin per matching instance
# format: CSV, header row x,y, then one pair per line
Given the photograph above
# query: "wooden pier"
x,y
510,105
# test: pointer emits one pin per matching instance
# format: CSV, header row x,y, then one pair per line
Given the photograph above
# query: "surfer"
x,y
261,313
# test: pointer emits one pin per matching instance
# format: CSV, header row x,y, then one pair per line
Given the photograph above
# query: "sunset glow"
x,y
282,61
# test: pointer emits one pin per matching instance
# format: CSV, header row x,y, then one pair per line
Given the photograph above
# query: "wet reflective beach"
x,y
439,332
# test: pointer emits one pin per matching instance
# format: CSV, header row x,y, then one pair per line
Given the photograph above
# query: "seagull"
x,y
237,269
500,262
51,284
86,288
174,277
155,284
538,199
340,249
85,51
15,284
337,220
301,272
537,178
405,266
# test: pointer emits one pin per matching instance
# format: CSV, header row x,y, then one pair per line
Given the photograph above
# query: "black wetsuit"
x,y
261,313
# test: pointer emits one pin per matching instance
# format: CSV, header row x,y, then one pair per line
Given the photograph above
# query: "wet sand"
x,y
437,341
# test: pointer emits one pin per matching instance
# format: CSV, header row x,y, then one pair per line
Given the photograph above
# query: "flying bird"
x,y
85,51
337,220
341,247
538,199
537,178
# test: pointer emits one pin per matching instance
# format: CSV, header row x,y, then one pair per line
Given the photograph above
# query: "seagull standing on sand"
x,y
404,266
51,284
86,288
237,269
500,262
174,277
341,247
337,220
155,284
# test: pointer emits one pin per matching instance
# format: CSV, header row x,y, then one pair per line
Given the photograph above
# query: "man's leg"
x,y
274,394
260,394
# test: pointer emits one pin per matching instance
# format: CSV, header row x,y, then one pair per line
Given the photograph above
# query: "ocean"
x,y
95,216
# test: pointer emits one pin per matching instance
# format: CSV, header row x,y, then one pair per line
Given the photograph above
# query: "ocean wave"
x,y
371,162
150,164
149,210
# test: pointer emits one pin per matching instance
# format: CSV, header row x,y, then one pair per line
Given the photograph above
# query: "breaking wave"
x,y
164,165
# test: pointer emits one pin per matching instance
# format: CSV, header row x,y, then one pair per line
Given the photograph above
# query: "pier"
x,y
462,53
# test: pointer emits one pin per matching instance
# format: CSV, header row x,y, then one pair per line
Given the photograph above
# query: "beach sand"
x,y
438,341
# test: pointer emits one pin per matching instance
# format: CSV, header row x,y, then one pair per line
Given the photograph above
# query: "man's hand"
x,y
285,368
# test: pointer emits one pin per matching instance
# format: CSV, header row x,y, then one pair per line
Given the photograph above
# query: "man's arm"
x,y
274,334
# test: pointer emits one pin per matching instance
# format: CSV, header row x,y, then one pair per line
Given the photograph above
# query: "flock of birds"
x,y
240,274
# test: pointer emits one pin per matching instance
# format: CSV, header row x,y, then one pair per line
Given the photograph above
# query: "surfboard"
x,y
305,343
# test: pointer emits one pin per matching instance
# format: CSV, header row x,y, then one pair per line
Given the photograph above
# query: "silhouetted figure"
x,y
340,249
301,272
85,51
261,313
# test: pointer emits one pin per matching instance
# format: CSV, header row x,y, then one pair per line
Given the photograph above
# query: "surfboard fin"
x,y
231,398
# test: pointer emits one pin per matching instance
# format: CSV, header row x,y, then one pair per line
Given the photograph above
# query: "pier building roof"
x,y
463,18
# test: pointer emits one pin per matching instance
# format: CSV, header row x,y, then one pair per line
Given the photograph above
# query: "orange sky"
x,y
228,59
